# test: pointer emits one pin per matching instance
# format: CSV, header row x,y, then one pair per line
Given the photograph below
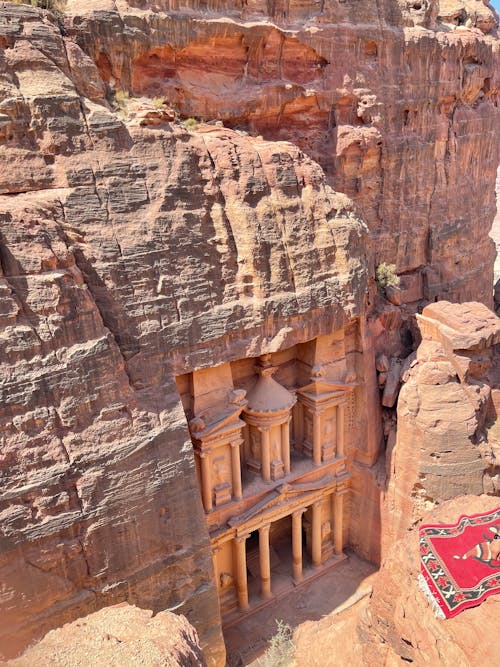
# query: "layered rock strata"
x,y
447,431
133,251
397,101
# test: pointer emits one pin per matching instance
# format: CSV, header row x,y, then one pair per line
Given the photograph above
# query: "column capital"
x,y
300,512
241,538
265,529
236,443
203,454
316,503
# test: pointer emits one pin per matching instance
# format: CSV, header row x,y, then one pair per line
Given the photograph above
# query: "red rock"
x,y
330,78
121,635
443,449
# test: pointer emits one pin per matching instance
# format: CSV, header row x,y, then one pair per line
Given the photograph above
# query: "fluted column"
x,y
265,562
317,438
206,480
297,545
340,430
285,445
236,469
316,534
266,454
241,571
338,510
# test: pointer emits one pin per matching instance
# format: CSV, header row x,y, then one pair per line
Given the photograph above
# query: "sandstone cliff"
x,y
398,101
133,251
447,432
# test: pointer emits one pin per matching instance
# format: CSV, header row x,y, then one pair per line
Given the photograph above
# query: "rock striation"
x,y
118,636
447,430
133,251
136,250
398,101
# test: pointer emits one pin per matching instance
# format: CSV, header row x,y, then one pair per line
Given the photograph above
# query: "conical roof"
x,y
268,395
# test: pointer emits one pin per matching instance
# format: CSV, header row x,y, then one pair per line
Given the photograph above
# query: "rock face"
x,y
134,251
398,101
447,433
118,636
131,253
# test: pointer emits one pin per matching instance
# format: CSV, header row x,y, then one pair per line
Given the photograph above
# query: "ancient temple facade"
x,y
271,443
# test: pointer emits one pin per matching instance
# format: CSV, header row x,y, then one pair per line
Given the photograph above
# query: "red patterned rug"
x,y
460,563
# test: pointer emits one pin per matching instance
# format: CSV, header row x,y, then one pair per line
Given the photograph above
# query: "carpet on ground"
x,y
460,563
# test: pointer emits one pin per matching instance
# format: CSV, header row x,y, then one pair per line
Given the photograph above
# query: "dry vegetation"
x,y
55,6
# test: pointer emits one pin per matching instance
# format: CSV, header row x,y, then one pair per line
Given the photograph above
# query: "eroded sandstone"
x,y
446,443
397,101
133,253
120,635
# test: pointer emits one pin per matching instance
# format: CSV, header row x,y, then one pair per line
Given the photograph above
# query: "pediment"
x,y
283,495
220,426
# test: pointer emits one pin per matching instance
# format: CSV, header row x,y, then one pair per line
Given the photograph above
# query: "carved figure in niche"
x,y
255,444
221,471
226,579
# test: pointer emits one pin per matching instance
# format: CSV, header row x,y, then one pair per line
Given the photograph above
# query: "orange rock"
x,y
121,636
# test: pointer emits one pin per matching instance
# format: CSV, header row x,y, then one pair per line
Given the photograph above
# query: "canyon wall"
x,y
133,251
398,101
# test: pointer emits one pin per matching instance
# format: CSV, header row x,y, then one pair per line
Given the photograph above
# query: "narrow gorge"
x,y
206,374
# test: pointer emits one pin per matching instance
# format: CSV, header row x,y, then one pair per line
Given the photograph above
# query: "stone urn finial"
x,y
196,424
317,372
237,396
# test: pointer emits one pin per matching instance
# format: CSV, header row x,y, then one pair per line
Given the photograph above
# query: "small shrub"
x,y
385,276
281,648
191,123
55,6
158,102
121,100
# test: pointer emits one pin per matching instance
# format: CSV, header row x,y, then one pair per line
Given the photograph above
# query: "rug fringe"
x,y
422,584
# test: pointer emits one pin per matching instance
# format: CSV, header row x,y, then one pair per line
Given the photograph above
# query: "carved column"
x,y
236,469
206,480
297,545
338,507
285,446
317,438
340,430
266,454
265,562
241,571
316,534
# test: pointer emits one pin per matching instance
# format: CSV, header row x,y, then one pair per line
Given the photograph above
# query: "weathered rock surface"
x,y
118,636
133,250
131,253
396,622
398,101
447,441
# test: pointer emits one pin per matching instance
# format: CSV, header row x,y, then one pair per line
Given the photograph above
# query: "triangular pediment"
x,y
219,426
281,495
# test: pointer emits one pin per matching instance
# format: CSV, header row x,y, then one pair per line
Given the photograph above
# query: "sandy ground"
x,y
247,641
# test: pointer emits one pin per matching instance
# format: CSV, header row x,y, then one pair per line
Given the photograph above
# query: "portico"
x,y
314,513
